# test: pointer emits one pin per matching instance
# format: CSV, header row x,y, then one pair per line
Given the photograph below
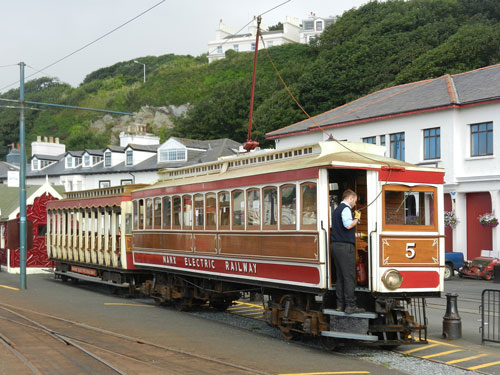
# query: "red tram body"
x,y
260,222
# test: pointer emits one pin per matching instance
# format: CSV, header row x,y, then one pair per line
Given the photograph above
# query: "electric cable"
x,y
90,43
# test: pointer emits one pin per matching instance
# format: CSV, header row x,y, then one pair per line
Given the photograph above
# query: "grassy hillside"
x,y
375,46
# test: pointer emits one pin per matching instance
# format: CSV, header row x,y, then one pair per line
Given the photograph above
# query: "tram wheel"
x,y
220,305
329,343
287,333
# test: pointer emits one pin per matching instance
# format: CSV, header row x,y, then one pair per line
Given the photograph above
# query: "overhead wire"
x,y
89,44
330,136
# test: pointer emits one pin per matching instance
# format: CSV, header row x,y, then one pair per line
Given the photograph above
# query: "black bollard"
x,y
452,324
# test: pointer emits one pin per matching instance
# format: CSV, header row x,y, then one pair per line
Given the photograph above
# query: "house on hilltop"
x,y
451,122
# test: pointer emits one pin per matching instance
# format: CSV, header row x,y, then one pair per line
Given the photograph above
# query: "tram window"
x,y
128,224
270,208
238,209
308,211
224,210
210,211
149,213
288,197
410,207
141,214
198,211
253,209
136,214
157,210
177,214
167,213
187,210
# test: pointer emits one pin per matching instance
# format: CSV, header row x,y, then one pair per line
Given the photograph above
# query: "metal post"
x,y
22,186
452,323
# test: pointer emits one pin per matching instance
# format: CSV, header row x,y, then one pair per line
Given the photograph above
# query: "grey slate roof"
x,y
48,157
214,149
439,93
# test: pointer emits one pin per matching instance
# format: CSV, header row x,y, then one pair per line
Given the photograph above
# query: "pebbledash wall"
x,y
472,184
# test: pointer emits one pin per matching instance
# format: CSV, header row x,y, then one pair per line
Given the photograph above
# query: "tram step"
x,y
349,335
90,278
366,315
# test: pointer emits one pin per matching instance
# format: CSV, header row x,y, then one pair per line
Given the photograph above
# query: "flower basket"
x,y
488,219
450,219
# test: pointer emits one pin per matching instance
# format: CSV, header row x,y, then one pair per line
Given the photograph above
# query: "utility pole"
x,y
22,185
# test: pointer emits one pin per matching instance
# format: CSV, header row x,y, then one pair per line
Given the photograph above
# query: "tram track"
x,y
94,350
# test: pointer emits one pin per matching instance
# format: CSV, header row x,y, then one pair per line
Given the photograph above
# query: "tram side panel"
x,y
408,246
287,251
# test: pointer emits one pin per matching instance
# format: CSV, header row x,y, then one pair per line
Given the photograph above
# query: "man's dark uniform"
x,y
344,255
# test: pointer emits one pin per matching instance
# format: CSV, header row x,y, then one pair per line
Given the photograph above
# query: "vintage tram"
x,y
89,236
260,222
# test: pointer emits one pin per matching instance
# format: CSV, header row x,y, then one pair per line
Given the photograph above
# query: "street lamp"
x,y
144,65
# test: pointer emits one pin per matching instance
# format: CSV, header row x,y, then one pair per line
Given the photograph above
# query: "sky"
x,y
41,32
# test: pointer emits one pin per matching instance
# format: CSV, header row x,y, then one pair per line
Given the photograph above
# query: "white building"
x,y
226,38
314,26
451,122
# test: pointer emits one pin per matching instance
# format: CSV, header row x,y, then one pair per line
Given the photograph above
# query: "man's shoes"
x,y
354,310
340,308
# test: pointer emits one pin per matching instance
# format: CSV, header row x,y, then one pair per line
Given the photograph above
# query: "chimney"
x,y
51,139
18,146
12,146
45,139
38,138
57,140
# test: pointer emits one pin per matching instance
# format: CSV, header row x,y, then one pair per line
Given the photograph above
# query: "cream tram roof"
x,y
323,154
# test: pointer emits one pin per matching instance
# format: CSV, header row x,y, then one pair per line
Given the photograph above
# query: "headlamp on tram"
x,y
392,279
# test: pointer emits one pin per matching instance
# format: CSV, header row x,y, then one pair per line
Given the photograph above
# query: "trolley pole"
x,y
22,185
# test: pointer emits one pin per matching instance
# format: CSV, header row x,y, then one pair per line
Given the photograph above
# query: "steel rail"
x,y
140,341
18,354
61,338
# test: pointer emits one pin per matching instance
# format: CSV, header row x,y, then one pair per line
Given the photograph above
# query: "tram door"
x,y
339,181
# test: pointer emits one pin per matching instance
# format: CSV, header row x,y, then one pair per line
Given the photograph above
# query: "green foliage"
x,y
376,46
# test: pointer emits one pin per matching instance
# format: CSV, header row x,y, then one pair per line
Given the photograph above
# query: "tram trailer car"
x,y
89,237
260,221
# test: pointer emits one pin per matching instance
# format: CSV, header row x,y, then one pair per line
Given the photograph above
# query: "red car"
x,y
479,268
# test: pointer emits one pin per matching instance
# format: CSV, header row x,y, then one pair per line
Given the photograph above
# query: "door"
x,y
478,237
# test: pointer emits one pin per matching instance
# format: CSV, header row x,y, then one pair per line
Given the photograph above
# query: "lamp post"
x,y
144,65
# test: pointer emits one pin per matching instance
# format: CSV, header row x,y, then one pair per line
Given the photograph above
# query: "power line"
x,y
8,66
89,44
259,15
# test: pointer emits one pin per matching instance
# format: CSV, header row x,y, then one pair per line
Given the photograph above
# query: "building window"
x,y
107,159
319,26
432,143
253,46
219,49
104,183
126,182
382,140
96,159
270,43
35,164
86,160
372,140
308,25
398,146
175,154
130,157
69,162
236,47
481,139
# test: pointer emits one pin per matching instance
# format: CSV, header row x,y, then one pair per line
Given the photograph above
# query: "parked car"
x,y
453,262
479,268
